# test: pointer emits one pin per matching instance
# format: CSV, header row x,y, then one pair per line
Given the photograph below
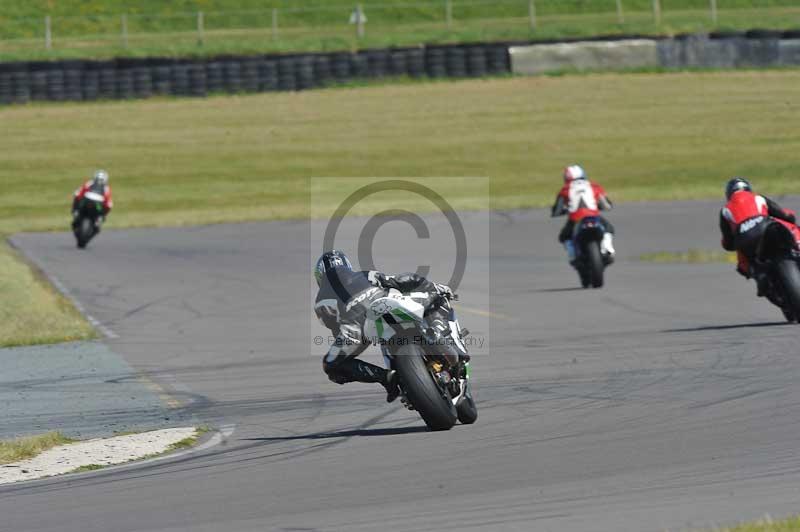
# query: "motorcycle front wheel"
x,y
84,232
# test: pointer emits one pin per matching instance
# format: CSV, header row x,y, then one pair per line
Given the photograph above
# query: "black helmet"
x,y
735,185
331,260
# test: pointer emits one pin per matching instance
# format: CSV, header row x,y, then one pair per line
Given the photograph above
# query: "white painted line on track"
x,y
104,330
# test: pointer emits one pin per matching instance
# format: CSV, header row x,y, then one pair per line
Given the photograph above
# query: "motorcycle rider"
x,y
99,185
341,304
580,198
742,222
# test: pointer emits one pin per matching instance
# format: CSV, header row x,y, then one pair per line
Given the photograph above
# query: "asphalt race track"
x,y
667,400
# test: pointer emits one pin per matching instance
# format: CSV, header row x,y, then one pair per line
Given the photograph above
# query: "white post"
x,y
124,31
448,13
532,13
657,12
200,27
360,21
48,33
620,13
713,11
274,23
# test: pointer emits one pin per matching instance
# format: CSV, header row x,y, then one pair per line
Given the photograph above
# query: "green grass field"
x,y
185,161
792,524
93,28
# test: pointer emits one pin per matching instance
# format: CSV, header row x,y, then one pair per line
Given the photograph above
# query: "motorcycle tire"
x,y
596,266
586,280
432,403
789,274
467,410
84,233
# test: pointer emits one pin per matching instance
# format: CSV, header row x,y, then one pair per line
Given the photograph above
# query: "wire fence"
x,y
388,23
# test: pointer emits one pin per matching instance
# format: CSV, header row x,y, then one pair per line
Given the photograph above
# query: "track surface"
x,y
667,400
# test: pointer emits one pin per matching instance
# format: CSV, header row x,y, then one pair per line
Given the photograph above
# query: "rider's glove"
x,y
444,291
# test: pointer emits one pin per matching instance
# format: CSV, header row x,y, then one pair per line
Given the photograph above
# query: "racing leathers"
x,y
341,305
742,222
581,198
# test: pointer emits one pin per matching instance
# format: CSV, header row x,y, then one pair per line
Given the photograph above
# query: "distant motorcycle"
x,y
431,383
88,218
590,261
777,259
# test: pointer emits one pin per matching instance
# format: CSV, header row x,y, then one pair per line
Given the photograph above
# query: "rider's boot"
x,y
390,383
762,284
607,247
569,245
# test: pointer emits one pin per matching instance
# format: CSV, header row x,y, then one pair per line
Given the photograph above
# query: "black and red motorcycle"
x,y
87,218
777,266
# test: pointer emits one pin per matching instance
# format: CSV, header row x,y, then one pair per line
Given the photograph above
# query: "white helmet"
x,y
574,172
101,177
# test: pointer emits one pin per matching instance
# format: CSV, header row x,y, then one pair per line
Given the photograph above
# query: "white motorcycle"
x,y
432,381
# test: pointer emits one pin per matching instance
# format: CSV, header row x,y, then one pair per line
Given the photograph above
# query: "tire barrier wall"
x,y
755,48
143,78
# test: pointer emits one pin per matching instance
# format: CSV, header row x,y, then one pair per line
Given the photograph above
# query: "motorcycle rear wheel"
x,y
789,274
596,265
432,403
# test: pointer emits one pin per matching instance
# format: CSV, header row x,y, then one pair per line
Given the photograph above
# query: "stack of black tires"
x,y
143,78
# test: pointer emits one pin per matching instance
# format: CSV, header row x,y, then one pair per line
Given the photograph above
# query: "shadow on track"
x,y
344,434
727,327
570,289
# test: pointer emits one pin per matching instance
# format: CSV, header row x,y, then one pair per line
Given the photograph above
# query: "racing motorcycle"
x,y
777,262
590,260
431,382
88,219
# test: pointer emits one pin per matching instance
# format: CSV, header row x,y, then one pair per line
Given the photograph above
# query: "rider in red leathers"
x,y
742,222
581,198
99,185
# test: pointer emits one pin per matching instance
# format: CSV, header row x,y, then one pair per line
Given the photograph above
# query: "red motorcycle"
x,y
777,262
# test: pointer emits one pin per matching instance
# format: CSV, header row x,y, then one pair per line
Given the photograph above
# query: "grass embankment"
x,y
28,447
92,28
229,159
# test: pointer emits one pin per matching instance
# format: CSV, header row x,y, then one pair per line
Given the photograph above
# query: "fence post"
x,y
124,20
620,13
713,11
657,12
532,13
200,28
48,33
274,23
448,13
360,21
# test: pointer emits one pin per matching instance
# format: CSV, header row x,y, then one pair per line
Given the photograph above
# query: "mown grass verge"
x,y
32,312
791,524
30,446
692,256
